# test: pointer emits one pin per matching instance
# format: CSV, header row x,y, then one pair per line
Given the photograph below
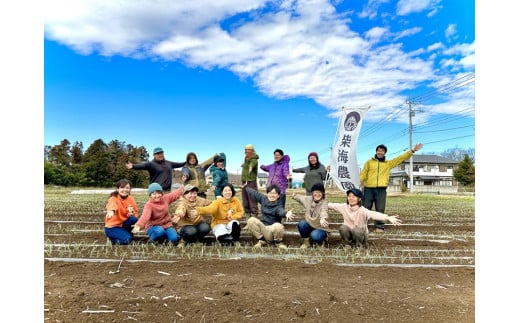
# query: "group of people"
x,y
265,213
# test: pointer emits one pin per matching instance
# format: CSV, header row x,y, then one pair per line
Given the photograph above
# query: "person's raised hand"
x,y
136,229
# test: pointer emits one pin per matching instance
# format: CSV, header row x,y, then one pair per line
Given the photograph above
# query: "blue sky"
x,y
263,72
212,76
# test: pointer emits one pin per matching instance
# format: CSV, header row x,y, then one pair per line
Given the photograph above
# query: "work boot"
x,y
306,243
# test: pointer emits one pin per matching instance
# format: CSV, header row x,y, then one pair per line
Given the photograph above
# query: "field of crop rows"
x,y
436,231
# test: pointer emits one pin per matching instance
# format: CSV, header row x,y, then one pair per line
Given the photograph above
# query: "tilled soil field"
x,y
422,271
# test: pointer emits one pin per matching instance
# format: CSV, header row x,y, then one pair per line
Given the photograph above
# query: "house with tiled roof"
x,y
431,173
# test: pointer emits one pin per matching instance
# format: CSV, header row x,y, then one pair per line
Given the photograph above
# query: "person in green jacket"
x,y
249,176
374,179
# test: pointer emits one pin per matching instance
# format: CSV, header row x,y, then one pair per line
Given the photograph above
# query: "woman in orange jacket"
x,y
121,214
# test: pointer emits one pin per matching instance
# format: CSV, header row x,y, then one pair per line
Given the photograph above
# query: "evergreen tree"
x,y
465,172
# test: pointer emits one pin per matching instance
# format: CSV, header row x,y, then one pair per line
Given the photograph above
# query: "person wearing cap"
x,y
314,228
191,228
269,228
121,214
194,173
156,219
225,213
219,174
249,176
278,172
159,169
354,228
315,172
374,177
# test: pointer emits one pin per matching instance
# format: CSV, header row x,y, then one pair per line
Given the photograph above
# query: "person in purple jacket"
x,y
279,173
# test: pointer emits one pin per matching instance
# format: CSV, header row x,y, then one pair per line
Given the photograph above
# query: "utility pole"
x,y
411,113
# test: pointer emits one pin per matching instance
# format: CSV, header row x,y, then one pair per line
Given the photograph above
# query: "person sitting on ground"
x,y
354,229
191,228
225,213
122,214
314,228
269,227
156,219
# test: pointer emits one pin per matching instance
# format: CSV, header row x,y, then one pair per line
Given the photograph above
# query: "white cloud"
x,y
451,31
406,7
303,48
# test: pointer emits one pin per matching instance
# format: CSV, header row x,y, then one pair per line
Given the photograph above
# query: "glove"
x,y
324,222
110,214
289,215
136,229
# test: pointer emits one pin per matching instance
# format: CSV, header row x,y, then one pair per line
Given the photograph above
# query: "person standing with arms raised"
x,y
279,173
159,169
194,173
248,177
374,179
315,172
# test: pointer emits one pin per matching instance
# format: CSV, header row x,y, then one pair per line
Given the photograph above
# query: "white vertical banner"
x,y
344,169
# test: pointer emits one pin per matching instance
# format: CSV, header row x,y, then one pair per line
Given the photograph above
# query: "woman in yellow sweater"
x,y
225,213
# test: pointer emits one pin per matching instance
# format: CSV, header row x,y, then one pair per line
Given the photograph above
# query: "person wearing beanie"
x,y
314,172
219,174
225,213
354,229
314,227
192,229
249,176
278,173
156,219
374,177
122,214
194,173
159,169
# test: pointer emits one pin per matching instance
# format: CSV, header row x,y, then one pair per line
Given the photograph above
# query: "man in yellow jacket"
x,y
374,179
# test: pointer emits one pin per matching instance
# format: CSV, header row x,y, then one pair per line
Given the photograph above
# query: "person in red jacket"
x,y
156,218
121,214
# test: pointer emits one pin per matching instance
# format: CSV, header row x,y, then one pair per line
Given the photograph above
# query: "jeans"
x,y
192,233
160,234
122,235
307,231
375,197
